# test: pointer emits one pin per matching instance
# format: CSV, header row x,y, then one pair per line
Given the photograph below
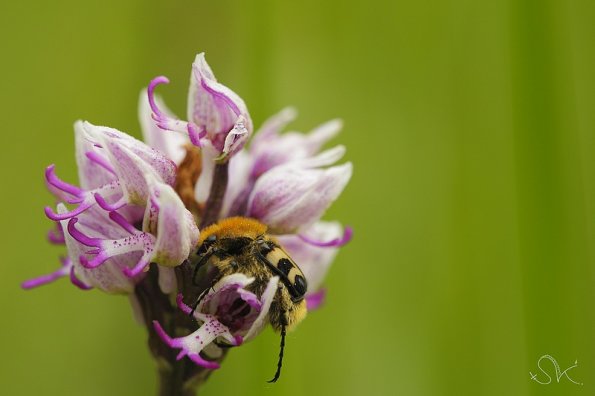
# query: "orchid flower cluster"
x,y
136,214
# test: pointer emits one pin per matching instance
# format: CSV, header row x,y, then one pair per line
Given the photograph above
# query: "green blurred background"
x,y
471,126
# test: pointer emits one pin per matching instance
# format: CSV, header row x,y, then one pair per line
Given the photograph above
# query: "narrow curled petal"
x,y
135,241
169,233
290,197
335,242
66,269
68,193
166,121
314,261
96,225
218,109
170,143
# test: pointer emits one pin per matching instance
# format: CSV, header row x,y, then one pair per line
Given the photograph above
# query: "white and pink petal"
x,y
108,277
173,225
217,109
296,195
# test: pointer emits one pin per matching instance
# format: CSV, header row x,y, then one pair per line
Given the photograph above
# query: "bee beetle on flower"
x,y
210,235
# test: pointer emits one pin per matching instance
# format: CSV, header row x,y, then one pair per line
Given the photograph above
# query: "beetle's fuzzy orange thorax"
x,y
234,227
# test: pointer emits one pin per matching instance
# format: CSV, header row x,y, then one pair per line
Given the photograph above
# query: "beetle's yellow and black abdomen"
x,y
286,268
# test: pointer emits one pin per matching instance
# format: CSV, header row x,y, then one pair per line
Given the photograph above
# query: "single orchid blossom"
x,y
112,166
295,195
228,313
131,225
168,236
218,119
270,149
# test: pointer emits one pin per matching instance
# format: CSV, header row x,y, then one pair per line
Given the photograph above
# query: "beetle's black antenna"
x,y
198,300
280,362
203,294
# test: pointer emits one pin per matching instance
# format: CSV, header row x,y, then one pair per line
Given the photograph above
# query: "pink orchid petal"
x,y
291,196
176,230
275,149
95,227
216,108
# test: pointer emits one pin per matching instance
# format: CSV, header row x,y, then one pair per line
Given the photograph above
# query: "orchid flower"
x,y
217,117
111,166
229,312
168,235
128,228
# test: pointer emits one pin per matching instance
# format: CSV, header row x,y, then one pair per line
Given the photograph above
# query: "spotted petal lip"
x,y
169,233
219,320
109,277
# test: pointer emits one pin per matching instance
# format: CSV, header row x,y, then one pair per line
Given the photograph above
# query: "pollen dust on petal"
x,y
186,177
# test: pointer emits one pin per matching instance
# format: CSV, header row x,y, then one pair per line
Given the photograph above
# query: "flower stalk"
x,y
179,377
216,195
175,377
